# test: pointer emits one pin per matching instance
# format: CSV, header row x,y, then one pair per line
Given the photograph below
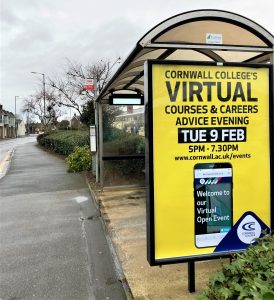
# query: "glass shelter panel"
x,y
123,145
124,172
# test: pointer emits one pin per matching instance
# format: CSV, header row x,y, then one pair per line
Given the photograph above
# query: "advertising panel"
x,y
209,146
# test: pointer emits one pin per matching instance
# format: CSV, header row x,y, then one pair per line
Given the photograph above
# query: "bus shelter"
x,y
196,36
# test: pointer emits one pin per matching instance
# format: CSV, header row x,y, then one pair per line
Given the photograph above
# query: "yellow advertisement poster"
x,y
209,143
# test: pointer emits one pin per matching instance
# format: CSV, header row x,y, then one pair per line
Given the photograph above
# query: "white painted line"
x,y
81,199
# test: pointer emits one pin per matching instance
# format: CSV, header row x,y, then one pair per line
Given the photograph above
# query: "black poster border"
x,y
150,217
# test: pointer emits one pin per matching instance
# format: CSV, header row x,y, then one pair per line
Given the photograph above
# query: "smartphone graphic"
x,y
212,202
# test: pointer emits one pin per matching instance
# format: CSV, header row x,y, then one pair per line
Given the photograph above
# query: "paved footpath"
x,y
52,244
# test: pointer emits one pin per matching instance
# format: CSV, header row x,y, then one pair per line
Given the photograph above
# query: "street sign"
x,y
209,167
92,136
90,84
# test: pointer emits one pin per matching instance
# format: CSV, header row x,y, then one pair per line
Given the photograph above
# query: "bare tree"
x,y
34,106
70,86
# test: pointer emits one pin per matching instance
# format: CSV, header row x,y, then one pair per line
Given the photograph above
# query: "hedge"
x,y
125,144
64,142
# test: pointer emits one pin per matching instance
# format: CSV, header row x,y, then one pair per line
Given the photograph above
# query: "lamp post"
x,y
15,97
44,93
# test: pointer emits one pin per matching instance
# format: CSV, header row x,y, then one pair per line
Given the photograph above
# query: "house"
x,y
131,120
75,122
7,124
21,128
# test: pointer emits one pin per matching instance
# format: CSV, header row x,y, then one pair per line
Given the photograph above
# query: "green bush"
x,y
64,142
79,160
249,276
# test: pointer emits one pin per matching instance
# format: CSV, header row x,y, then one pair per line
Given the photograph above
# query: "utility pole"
x,y
15,125
28,120
44,94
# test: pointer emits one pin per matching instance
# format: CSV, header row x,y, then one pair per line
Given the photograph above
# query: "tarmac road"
x,y
10,144
7,147
52,241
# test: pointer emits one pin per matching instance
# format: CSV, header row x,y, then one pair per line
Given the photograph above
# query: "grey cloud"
x,y
31,37
113,39
37,35
8,17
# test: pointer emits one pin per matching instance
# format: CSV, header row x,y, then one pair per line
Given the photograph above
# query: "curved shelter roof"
x,y
185,37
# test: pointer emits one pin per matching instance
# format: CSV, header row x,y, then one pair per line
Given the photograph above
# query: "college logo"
x,y
243,233
249,229
250,226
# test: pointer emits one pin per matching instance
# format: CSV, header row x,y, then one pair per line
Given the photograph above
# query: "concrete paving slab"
x,y
124,215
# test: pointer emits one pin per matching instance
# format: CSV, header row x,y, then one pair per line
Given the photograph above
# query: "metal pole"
x,y
191,276
15,115
44,95
97,134
28,120
97,141
44,91
101,133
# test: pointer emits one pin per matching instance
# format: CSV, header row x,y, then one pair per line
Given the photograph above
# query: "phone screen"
x,y
213,203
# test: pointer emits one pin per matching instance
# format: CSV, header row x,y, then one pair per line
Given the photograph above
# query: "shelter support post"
x,y
96,104
191,276
101,134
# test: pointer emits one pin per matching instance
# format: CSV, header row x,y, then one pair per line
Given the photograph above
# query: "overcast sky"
x,y
38,35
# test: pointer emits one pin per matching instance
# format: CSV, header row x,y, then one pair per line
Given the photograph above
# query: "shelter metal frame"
x,y
182,37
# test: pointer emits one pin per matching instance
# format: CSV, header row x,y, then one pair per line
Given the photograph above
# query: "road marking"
x,y
81,199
